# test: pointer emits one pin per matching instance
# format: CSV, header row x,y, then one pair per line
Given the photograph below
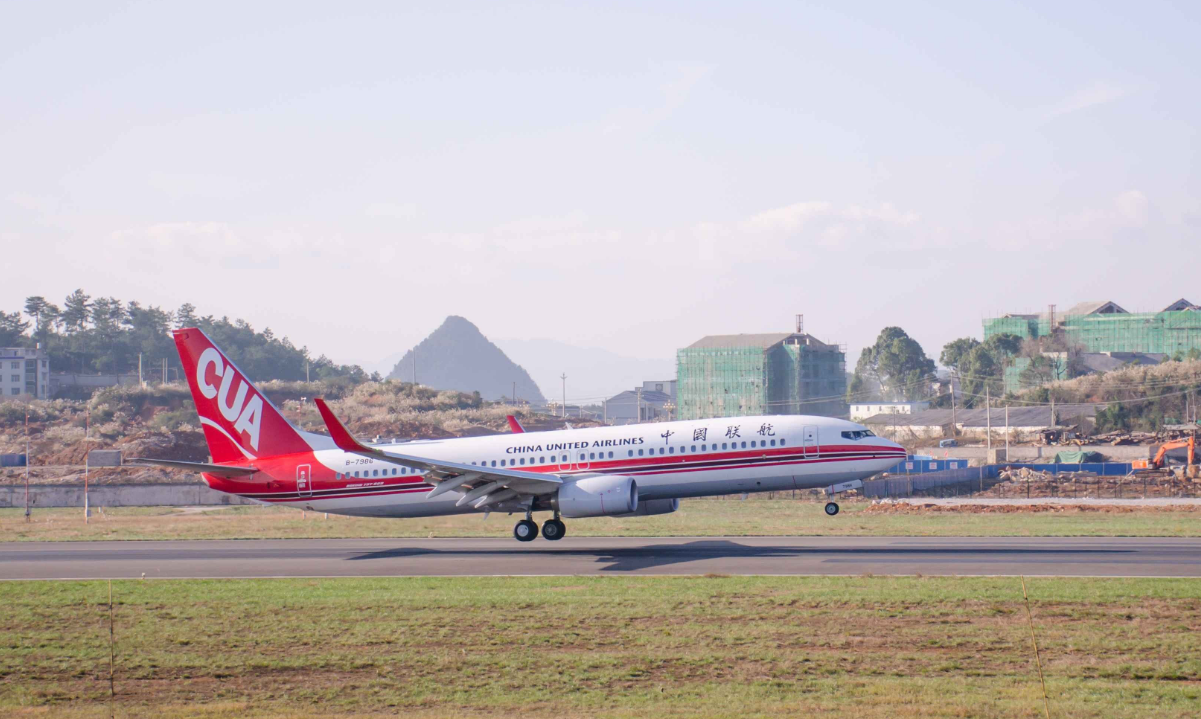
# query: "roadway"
x,y
1084,556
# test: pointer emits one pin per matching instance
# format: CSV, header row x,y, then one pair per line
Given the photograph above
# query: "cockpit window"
x,y
858,434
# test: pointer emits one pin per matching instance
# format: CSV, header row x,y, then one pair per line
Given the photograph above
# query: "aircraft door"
x,y
809,441
582,461
564,460
304,484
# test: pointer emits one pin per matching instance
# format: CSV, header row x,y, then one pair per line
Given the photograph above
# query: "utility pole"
x,y
414,368
26,463
306,371
164,370
954,422
988,416
564,378
87,430
514,392
141,382
1006,433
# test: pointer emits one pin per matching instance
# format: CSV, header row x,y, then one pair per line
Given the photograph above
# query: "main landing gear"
x,y
554,529
831,508
527,529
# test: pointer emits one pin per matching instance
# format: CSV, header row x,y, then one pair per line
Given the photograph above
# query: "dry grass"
x,y
696,518
613,647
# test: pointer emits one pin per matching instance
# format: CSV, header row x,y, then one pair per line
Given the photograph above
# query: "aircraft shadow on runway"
x,y
659,555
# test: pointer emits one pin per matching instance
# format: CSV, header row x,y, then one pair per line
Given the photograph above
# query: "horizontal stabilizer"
x,y
218,470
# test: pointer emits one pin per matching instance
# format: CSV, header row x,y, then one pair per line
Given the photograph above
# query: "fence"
x,y
1097,480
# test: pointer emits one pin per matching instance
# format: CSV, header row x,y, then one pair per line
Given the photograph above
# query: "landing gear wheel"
x,y
526,530
831,508
553,529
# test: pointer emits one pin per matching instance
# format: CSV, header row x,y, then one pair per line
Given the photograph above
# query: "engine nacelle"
x,y
603,496
650,507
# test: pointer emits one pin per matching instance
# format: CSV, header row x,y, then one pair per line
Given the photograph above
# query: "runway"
x,y
1115,557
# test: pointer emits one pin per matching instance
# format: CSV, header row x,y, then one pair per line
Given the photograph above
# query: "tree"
x,y
76,310
185,316
12,328
898,363
41,311
954,352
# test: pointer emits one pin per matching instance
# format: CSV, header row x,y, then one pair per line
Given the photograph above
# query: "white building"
x,y
24,373
869,409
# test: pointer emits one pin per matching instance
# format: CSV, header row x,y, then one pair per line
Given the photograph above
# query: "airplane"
x,y
632,470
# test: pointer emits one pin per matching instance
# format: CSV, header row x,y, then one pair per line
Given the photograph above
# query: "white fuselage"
x,y
692,458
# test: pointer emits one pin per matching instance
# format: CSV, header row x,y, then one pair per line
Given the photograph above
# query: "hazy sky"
x,y
628,176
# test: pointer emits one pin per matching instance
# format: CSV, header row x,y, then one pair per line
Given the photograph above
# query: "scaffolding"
x,y
1166,333
738,375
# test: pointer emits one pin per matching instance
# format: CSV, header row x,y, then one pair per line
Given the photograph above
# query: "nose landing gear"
x,y
831,508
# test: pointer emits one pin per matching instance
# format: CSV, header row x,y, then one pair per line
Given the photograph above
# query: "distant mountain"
x,y
458,356
592,373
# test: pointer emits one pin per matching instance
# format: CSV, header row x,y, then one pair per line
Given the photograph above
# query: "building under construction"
x,y
1105,327
1098,336
777,373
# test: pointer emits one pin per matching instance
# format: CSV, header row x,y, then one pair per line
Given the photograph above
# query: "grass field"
x,y
612,647
695,518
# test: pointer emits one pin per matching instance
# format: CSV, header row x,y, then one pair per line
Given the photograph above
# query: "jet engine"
x,y
655,506
600,496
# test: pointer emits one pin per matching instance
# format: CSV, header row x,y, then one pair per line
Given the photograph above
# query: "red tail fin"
x,y
239,422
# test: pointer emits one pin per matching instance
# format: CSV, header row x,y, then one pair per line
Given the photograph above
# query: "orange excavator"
x,y
1190,442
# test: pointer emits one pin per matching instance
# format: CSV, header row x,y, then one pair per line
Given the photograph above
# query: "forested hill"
x,y
457,356
104,335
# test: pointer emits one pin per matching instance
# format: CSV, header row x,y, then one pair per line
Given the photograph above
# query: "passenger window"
x,y
639,453
337,475
723,445
610,455
671,450
744,445
375,473
502,463
581,456
781,441
752,444
542,460
523,460
592,455
356,474
694,448
773,443
704,448
631,453
494,463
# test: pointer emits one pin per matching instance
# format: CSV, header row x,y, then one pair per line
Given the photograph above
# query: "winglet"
x,y
514,425
337,431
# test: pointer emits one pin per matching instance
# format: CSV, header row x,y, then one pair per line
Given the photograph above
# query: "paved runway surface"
x,y
604,556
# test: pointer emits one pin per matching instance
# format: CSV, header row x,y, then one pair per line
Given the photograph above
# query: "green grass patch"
x,y
608,646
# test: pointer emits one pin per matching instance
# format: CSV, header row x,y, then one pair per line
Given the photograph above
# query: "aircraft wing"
x,y
482,486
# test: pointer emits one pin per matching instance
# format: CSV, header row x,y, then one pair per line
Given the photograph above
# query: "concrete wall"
x,y
116,495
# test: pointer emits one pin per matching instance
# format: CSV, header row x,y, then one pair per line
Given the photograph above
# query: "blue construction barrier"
x,y
12,460
916,465
973,479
